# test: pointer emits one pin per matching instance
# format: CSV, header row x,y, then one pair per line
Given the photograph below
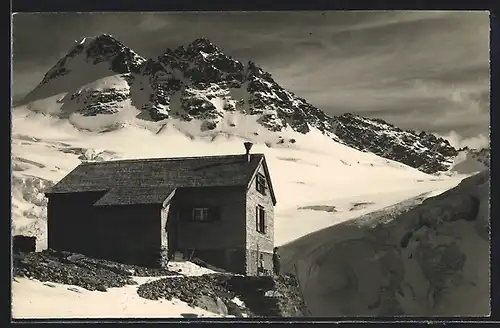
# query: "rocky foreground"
x,y
262,296
79,270
220,293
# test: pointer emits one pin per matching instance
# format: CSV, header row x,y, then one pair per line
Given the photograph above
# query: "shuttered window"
x,y
261,219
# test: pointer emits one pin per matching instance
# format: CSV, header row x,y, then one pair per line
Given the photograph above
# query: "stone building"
x,y
216,208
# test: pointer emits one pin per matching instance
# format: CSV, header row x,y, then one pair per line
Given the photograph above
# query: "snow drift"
x,y
427,258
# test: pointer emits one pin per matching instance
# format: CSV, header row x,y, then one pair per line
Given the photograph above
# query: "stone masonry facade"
x,y
256,242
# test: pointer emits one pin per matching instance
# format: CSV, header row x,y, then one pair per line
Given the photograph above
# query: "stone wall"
x,y
252,257
257,242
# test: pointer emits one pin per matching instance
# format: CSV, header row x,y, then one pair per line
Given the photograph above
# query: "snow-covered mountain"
x,y
103,101
200,84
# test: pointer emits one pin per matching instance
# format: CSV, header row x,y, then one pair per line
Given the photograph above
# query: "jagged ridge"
x,y
423,151
201,82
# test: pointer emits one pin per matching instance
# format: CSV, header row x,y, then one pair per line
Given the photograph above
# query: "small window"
x,y
200,214
261,262
204,214
261,184
261,219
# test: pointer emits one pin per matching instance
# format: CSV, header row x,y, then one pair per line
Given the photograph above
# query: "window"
x,y
261,184
261,219
261,263
204,214
200,214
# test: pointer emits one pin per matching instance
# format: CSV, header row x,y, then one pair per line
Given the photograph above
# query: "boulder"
x,y
212,304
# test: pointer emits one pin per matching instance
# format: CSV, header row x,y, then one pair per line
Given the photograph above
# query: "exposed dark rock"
x,y
325,208
234,309
212,304
102,102
208,291
201,73
424,151
76,269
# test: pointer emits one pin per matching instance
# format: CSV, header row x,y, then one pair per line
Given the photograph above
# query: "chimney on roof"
x,y
248,145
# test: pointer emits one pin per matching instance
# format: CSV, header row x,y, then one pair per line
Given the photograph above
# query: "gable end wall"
x,y
257,242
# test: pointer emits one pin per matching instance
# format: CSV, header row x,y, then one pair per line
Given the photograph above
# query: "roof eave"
x,y
162,203
169,198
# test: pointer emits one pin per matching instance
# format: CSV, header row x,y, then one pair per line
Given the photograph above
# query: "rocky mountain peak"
x,y
203,44
203,63
199,81
103,47
106,48
93,51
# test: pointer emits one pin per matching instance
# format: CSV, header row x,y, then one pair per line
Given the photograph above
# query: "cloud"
x,y
153,23
457,141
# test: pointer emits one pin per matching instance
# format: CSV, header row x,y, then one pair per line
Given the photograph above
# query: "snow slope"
x,y
30,300
424,258
307,170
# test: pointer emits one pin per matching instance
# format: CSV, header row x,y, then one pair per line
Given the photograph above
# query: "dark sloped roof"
x,y
149,181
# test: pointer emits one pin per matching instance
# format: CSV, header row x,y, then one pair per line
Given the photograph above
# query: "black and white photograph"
x,y
247,165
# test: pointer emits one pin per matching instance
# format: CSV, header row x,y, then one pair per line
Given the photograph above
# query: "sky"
x,y
417,70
